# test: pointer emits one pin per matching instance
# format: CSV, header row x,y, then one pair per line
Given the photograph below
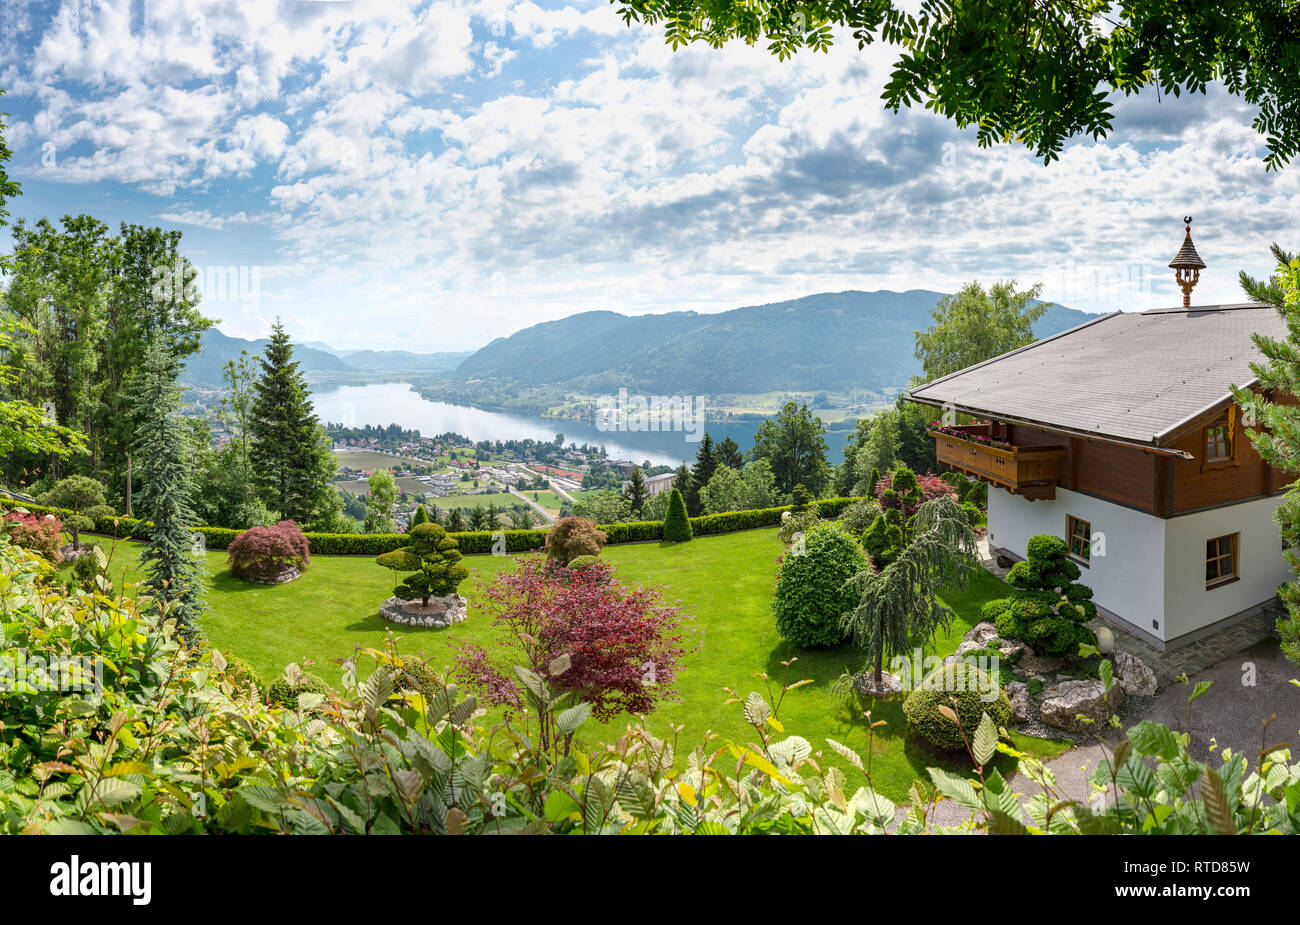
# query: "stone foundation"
x,y
442,611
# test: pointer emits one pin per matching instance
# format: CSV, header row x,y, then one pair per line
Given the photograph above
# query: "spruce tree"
x,y
173,573
729,454
636,491
288,455
1273,425
706,463
682,480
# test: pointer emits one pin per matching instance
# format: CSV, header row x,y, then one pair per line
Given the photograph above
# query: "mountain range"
x,y
320,363
831,340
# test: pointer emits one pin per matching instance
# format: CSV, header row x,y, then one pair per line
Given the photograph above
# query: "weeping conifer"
x,y
173,570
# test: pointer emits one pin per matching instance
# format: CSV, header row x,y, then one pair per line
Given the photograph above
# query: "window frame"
x,y
1234,556
1224,424
1086,559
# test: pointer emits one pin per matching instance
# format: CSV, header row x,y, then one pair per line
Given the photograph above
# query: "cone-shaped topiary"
x,y
1048,609
434,558
677,526
421,516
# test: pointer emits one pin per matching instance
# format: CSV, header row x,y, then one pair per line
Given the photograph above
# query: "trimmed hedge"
x,y
475,542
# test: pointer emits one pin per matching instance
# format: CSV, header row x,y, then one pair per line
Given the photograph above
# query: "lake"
x,y
397,403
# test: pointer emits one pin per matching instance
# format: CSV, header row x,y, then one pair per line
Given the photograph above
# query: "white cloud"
x,y
402,187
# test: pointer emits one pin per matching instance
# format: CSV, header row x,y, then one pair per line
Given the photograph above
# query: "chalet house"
x,y
1121,437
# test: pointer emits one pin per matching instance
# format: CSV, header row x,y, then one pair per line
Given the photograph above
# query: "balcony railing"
x,y
1031,471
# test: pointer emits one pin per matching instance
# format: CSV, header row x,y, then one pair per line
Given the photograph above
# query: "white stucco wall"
x,y
1126,580
1189,605
1153,569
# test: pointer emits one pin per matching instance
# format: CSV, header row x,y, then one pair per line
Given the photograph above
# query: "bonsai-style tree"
x,y
898,606
84,497
434,558
1048,609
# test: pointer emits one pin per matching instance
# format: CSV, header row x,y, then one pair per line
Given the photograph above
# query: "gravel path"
x,y
1248,688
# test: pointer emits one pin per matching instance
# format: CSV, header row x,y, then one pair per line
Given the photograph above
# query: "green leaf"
x,y
756,709
568,721
985,745
1153,739
1218,810
377,689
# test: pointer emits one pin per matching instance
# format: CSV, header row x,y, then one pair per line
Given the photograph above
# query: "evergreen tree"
x,y
455,521
421,516
1273,426
288,462
636,491
173,573
682,481
706,463
729,454
677,526
792,444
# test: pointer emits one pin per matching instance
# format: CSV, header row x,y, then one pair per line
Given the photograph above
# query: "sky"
x,y
429,176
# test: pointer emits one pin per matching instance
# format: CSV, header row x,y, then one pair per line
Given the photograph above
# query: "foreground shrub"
x,y
811,593
615,648
1047,609
859,515
677,526
217,760
571,537
968,685
263,553
41,533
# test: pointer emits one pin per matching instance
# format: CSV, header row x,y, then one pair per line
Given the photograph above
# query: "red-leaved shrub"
x,y
262,553
930,484
41,533
615,647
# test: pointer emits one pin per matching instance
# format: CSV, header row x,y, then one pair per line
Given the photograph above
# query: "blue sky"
x,y
431,175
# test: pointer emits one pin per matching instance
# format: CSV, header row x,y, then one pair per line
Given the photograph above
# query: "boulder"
x,y
1021,702
1013,649
1134,675
890,685
442,611
1063,703
981,634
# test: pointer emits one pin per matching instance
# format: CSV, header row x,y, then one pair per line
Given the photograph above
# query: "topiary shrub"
x,y
1047,609
810,592
883,541
241,672
677,526
972,512
571,537
582,562
434,557
421,516
968,685
265,553
284,693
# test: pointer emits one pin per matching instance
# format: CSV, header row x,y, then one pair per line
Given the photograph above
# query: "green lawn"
x,y
724,582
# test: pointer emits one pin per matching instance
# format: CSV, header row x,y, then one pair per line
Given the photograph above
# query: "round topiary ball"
x,y
810,593
969,686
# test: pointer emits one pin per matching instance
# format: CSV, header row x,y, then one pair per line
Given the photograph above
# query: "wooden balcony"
x,y
1030,471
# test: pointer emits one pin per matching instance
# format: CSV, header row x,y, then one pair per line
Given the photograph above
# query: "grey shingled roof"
x,y
1131,376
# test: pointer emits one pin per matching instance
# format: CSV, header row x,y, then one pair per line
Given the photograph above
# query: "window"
x,y
1221,560
1078,535
1218,443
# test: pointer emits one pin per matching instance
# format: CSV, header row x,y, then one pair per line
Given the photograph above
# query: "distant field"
x,y
362,487
547,499
367,461
502,500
